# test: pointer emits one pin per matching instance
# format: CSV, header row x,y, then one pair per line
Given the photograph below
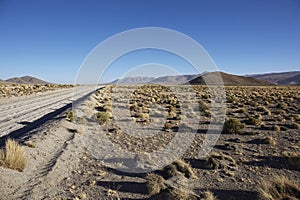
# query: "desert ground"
x,y
105,145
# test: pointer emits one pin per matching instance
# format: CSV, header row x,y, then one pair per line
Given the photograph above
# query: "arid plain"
x,y
57,153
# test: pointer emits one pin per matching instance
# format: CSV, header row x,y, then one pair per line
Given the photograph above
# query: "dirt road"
x,y
18,113
40,119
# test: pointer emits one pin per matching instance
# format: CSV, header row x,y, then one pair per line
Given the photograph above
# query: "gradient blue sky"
x,y
50,39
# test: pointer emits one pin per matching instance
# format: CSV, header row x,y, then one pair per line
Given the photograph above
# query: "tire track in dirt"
x,y
52,160
29,103
20,117
33,189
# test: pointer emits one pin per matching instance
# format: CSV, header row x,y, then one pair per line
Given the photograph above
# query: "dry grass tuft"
x,y
180,194
276,128
13,156
70,116
155,183
279,188
208,195
253,121
233,126
185,168
295,126
179,167
102,117
220,161
268,140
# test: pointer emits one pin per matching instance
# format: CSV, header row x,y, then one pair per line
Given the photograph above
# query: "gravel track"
x,y
18,114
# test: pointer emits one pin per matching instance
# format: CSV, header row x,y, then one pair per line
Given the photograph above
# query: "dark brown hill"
x,y
212,78
26,80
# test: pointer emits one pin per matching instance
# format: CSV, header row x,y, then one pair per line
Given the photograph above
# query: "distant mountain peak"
x,y
26,80
133,80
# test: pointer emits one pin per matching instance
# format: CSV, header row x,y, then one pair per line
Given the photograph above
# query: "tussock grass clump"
x,y
155,183
264,110
168,126
233,126
102,117
268,140
70,116
180,194
13,156
203,106
179,167
208,195
253,121
241,110
294,126
220,161
279,188
276,128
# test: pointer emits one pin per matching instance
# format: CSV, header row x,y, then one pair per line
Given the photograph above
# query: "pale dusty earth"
x,y
85,160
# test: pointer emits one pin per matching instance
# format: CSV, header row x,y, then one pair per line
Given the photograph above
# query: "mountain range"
x,y
195,79
280,78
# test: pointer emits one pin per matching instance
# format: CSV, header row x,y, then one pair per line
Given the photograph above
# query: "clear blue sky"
x,y
50,39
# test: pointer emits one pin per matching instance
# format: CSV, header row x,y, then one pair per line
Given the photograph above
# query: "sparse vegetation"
x,y
268,140
179,167
253,121
295,126
155,183
279,188
10,90
235,163
70,115
233,126
13,156
102,117
180,194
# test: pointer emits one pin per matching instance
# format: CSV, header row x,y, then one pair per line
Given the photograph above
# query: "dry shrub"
x,y
276,128
13,156
279,188
253,121
71,116
295,126
179,167
233,126
168,126
220,161
102,117
208,195
185,168
180,194
268,140
155,183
